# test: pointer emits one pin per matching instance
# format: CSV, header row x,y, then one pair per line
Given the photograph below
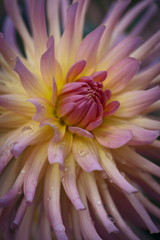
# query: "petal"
x,y
111,108
30,134
44,108
120,74
149,123
19,214
87,227
80,132
39,154
17,103
68,178
144,79
130,16
28,80
52,8
38,23
141,211
94,197
112,171
75,70
59,130
145,49
134,102
7,52
14,13
12,120
121,50
112,137
52,201
110,23
66,44
129,156
115,213
89,46
94,124
48,64
86,154
99,76
57,152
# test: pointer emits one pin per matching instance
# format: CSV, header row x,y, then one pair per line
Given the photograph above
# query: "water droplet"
x,y
19,193
55,155
111,218
99,202
123,174
111,181
48,198
53,188
13,144
34,182
83,153
27,130
1,35
66,169
23,171
59,228
62,179
104,175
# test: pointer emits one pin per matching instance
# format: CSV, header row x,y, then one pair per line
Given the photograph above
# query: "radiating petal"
x,y
52,201
85,153
12,120
39,154
121,50
30,83
112,137
57,152
92,192
120,74
75,70
135,102
17,103
68,178
80,132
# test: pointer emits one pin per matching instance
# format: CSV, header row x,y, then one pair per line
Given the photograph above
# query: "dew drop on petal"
x,y
48,198
13,144
83,153
27,130
34,182
66,169
23,171
55,155
59,228
99,202
123,174
62,179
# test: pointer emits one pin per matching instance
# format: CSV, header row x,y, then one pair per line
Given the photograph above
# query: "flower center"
x,y
82,103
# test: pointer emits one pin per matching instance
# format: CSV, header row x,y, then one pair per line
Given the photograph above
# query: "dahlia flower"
x,y
78,153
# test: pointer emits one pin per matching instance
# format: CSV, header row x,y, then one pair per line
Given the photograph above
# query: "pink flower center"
x,y
82,103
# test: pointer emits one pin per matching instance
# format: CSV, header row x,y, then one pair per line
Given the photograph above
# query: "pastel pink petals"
x,y
112,137
135,102
75,70
86,154
8,54
99,76
68,178
80,132
28,80
57,152
81,103
111,108
120,74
